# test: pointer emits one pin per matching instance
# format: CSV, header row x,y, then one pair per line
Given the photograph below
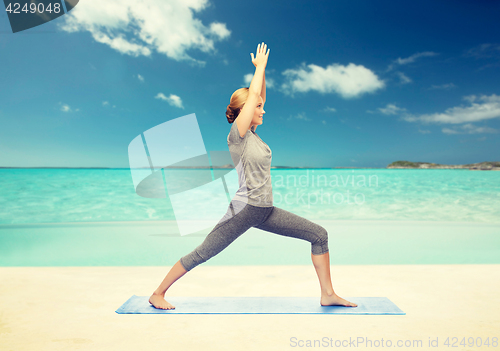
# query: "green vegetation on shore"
x,y
426,165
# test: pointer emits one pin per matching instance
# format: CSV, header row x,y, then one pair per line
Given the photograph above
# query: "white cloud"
x,y
443,86
391,109
247,78
172,100
119,43
301,116
220,30
330,109
141,78
323,121
413,57
404,61
486,50
424,131
468,129
67,108
480,109
106,103
404,78
347,81
138,28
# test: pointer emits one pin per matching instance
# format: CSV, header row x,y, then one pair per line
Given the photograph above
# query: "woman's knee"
x,y
320,246
322,235
192,260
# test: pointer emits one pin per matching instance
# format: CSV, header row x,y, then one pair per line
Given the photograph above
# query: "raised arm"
x,y
246,114
263,92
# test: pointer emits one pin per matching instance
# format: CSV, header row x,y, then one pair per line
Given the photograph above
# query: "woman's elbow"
x,y
255,92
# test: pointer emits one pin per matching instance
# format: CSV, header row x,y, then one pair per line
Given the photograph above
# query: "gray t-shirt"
x,y
252,159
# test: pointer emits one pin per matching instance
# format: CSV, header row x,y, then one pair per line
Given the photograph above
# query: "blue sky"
x,y
350,83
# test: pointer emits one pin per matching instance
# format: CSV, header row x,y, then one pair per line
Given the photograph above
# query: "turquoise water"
x,y
95,195
93,217
156,243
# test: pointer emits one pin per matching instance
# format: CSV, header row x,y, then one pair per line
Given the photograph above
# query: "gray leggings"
x,y
271,219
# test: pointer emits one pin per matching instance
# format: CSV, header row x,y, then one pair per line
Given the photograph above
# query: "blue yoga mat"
x,y
259,305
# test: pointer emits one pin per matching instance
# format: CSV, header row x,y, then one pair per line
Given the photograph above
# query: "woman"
x,y
252,204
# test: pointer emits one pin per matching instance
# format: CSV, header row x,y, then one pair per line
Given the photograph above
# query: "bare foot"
x,y
158,301
335,300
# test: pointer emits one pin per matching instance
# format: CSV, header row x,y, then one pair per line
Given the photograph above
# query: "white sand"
x,y
73,308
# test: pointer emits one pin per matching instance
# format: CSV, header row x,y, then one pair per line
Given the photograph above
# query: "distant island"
x,y
481,166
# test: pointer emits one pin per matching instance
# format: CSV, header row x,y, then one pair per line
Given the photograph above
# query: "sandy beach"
x,y
73,308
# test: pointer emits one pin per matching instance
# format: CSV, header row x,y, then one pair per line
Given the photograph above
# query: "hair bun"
x,y
230,114
238,100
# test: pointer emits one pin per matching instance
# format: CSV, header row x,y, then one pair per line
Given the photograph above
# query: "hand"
x,y
261,57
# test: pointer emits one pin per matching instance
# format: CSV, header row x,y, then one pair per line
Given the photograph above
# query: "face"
x,y
259,113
